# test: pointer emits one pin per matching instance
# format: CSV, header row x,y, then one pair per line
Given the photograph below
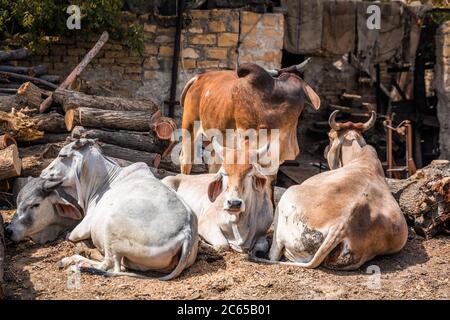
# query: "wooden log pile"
x,y
41,117
425,198
2,256
13,76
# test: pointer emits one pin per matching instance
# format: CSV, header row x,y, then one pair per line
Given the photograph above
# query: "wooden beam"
x,y
78,69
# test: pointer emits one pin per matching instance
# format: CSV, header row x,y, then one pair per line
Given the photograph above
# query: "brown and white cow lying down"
x,y
238,217
249,98
343,217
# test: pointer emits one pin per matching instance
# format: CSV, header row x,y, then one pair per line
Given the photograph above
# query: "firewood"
x,y
11,75
73,99
7,103
166,163
126,139
110,119
30,71
111,150
78,69
31,95
421,198
10,163
51,122
51,78
14,54
2,256
19,126
162,126
6,140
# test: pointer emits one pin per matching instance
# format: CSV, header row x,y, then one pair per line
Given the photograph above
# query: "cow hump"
x,y
256,76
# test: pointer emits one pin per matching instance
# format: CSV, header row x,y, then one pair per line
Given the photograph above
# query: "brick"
x,y
118,69
203,39
195,30
106,60
133,69
115,54
149,75
71,59
235,25
76,52
166,51
132,76
272,56
58,50
216,26
220,13
207,64
164,39
250,18
273,33
272,19
151,49
189,64
149,28
248,30
251,43
151,63
199,14
216,53
190,53
130,60
228,39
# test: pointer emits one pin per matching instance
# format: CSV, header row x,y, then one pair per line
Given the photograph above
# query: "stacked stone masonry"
x,y
213,40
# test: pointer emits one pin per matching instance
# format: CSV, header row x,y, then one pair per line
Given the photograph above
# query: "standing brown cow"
x,y
247,99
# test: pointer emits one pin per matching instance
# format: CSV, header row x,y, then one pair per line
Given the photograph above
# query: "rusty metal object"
x,y
404,129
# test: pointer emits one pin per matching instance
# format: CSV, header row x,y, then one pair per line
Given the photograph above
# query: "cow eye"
x,y
33,206
63,155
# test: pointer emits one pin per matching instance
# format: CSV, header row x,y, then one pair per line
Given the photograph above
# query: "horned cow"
x,y
343,217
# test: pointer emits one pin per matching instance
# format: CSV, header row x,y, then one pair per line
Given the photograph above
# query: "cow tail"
x,y
333,238
185,90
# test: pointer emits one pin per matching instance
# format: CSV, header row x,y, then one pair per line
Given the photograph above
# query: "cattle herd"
x,y
340,218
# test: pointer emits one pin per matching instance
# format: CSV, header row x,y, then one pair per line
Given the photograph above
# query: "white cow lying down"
x,y
131,217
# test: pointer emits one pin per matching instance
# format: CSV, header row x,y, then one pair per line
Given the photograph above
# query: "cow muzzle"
x,y
234,205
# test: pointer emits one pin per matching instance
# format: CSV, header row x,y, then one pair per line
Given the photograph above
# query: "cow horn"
x,y
300,67
218,148
369,123
332,121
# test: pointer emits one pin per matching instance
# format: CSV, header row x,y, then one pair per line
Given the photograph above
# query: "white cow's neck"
x,y
249,217
98,173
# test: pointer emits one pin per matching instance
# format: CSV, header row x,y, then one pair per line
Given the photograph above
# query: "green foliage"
x,y
36,23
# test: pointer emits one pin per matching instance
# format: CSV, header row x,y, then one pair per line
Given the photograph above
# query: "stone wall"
x,y
214,39
442,86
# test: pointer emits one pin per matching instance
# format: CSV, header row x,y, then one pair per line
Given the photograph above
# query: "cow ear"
x,y
259,183
68,211
215,188
312,96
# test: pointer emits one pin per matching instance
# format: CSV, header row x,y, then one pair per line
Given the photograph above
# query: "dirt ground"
x,y
419,271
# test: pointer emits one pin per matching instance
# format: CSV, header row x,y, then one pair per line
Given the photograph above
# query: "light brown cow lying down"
x,y
233,207
343,217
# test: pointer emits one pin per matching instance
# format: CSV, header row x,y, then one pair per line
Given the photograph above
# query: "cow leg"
x,y
187,149
261,246
276,250
213,236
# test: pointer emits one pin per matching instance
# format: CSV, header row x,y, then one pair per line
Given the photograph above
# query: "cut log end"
x,y
10,163
6,140
69,119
